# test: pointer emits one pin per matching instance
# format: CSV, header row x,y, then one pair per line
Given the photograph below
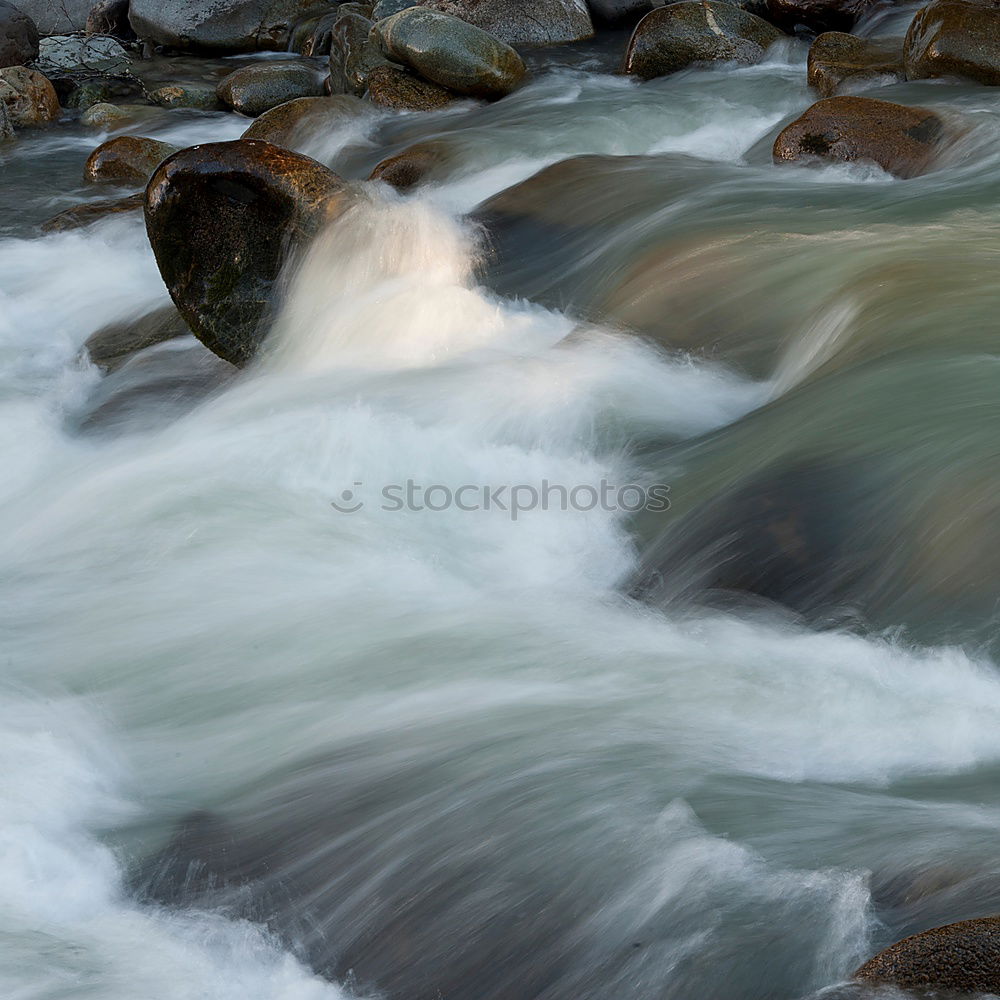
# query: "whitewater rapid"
x,y
189,624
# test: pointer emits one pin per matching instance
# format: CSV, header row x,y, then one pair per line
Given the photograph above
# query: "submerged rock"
x,y
392,87
306,117
902,140
963,957
448,51
411,167
222,218
18,36
127,160
955,38
93,211
252,90
818,15
838,60
114,344
110,17
523,22
29,96
218,26
674,37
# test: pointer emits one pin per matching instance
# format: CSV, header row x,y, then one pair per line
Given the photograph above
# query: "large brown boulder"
x,y
448,51
30,97
523,22
252,90
901,140
955,38
818,15
674,37
18,36
222,219
839,61
964,957
127,160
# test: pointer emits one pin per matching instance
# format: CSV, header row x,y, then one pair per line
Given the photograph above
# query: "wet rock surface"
x,y
681,34
963,957
955,38
395,88
839,61
222,219
252,90
126,160
451,53
902,140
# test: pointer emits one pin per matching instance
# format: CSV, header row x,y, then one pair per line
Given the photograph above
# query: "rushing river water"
x,y
453,752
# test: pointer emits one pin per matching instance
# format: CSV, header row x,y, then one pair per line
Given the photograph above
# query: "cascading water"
x,y
256,745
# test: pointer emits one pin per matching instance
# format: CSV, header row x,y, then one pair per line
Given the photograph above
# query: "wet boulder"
x,y
681,34
353,53
18,36
963,957
89,212
955,38
29,96
252,90
902,140
448,51
400,90
110,17
222,218
6,125
289,124
127,160
523,22
818,15
839,61
219,26
411,167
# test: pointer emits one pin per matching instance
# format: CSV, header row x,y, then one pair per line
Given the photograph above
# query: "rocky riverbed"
x,y
281,281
